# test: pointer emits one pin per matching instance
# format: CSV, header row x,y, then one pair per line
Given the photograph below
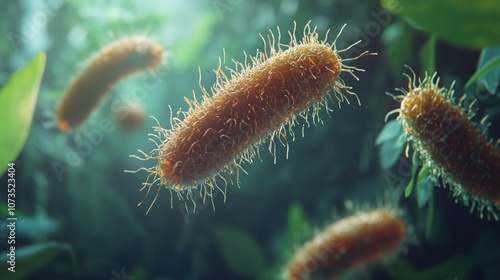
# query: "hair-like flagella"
x,y
261,97
114,62
454,147
356,240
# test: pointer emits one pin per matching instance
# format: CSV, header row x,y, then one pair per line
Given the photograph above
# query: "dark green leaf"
x,y
456,267
241,253
298,225
29,259
490,80
488,65
398,39
430,215
428,55
401,269
472,24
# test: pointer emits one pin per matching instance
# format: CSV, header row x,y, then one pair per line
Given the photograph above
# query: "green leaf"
x,y
140,272
471,24
391,144
398,41
430,215
29,259
298,225
391,130
484,68
4,211
189,52
241,253
457,267
491,79
274,271
414,170
17,105
401,269
424,187
428,55
389,152
423,190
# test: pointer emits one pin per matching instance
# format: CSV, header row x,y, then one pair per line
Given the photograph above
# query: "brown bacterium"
x,y
259,99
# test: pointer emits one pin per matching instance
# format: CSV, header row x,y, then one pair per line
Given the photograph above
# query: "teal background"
x,y
82,221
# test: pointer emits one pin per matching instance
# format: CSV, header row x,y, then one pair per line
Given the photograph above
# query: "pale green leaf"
x,y
189,52
391,144
389,153
391,130
17,105
424,187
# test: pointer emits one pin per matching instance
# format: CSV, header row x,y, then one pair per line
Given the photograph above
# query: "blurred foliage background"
x,y
76,208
